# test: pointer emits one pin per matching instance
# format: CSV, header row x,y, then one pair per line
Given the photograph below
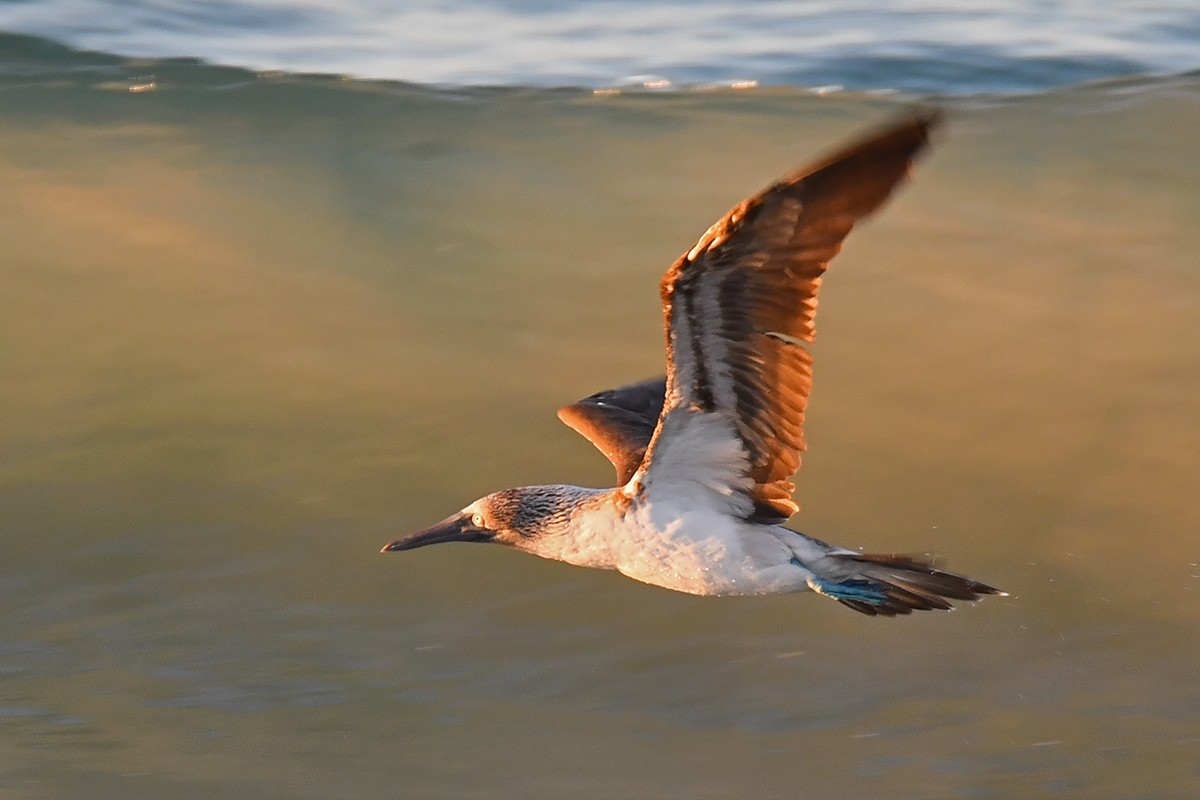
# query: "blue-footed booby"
x,y
705,455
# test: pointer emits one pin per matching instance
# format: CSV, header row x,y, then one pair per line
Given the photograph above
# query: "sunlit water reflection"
x,y
251,333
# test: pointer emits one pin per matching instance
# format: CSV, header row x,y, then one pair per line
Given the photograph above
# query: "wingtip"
x,y
913,132
928,123
929,118
932,124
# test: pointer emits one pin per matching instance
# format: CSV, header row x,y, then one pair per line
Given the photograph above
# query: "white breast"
x,y
693,550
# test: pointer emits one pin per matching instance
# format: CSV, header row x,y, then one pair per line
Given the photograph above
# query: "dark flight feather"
x,y
739,306
619,422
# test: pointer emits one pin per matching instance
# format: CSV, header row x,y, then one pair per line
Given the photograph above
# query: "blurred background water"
x,y
254,323
886,45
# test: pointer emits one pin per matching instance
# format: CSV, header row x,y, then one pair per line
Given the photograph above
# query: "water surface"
x,y
254,327
925,46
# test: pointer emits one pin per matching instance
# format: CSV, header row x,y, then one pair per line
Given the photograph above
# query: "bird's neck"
x,y
583,529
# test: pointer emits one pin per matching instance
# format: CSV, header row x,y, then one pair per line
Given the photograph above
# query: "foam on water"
x,y
893,45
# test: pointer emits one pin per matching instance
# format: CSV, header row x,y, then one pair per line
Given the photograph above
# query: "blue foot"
x,y
862,591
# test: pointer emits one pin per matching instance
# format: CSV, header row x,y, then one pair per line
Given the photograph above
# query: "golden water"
x,y
250,332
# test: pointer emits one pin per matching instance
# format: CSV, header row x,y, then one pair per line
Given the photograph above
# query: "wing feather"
x,y
741,304
619,422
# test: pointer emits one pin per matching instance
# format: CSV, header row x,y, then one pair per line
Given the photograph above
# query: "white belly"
x,y
697,551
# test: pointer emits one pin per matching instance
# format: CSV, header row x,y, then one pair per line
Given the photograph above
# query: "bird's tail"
x,y
887,585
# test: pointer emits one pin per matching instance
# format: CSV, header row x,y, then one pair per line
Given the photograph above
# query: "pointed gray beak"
x,y
457,528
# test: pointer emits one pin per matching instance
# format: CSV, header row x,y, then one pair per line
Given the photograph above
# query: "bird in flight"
x,y
705,455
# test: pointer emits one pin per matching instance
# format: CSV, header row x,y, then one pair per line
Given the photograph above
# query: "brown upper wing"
x,y
619,422
740,305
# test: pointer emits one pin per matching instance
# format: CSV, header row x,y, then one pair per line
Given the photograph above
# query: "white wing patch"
x,y
698,460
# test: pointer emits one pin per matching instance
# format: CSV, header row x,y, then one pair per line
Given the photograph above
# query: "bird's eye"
x,y
477,520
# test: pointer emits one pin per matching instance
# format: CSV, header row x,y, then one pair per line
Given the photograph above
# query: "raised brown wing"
x,y
619,422
740,305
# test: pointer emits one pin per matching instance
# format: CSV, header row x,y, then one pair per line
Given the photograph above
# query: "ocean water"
x,y
256,323
922,46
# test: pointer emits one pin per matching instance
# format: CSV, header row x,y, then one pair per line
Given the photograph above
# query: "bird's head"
x,y
511,517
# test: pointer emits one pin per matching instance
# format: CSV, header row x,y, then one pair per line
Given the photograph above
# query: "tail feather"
x,y
890,585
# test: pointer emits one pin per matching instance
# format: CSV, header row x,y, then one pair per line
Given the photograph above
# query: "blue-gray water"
x,y
890,45
253,325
